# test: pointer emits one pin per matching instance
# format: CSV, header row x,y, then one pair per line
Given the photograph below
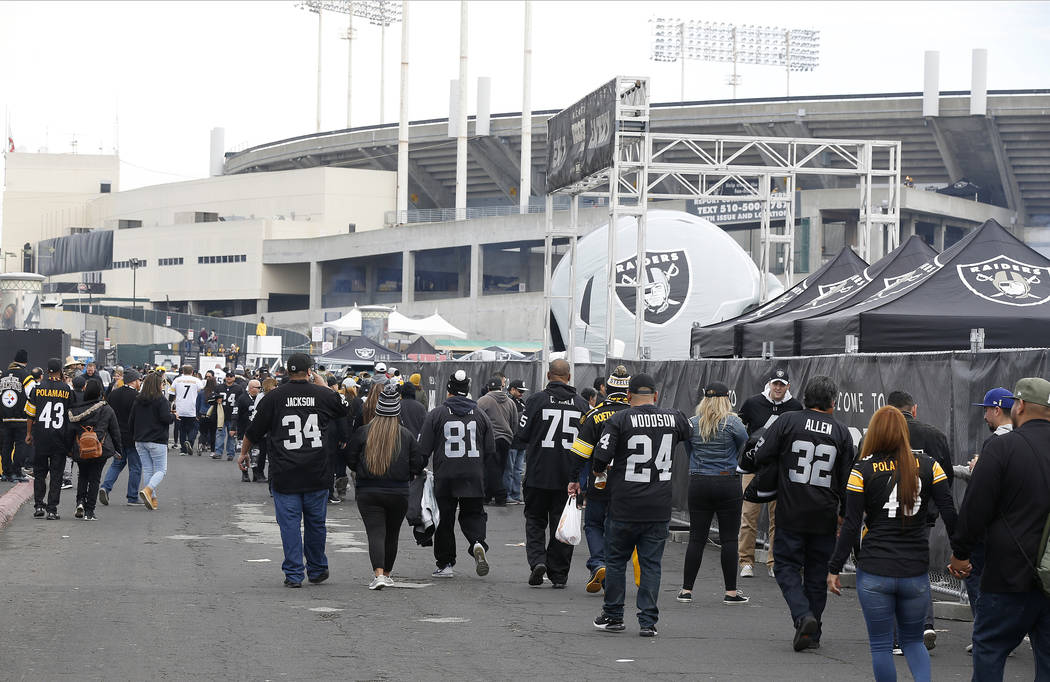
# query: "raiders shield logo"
x,y
365,353
1008,281
667,284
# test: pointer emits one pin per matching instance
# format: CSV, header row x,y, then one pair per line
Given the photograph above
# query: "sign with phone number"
x,y
732,212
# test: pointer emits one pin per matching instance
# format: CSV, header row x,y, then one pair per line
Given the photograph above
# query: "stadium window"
x,y
128,224
232,258
104,187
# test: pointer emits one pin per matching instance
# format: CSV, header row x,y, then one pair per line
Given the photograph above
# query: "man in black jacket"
x,y
246,403
413,413
758,413
122,400
459,436
14,451
548,427
929,440
1007,505
47,428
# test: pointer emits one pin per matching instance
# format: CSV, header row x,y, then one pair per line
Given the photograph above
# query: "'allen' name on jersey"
x,y
818,426
299,401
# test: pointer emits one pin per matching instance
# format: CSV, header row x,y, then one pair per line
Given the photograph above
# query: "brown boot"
x,y
147,498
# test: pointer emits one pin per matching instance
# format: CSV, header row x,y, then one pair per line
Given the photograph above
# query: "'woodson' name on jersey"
x,y
637,445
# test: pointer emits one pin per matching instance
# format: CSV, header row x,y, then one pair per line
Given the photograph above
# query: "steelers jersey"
x,y
591,426
895,543
48,408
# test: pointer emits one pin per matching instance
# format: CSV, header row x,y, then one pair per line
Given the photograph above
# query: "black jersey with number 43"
x,y
48,407
295,418
637,445
813,455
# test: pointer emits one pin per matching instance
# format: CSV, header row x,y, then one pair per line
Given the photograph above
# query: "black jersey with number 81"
x,y
638,445
458,437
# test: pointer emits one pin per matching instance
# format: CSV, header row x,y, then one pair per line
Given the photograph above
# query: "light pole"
x,y
134,264
796,49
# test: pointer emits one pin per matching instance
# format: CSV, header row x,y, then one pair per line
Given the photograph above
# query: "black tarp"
x,y
75,253
421,347
723,339
989,279
780,328
360,350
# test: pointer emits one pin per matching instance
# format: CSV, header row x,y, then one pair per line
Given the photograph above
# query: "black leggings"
x,y
710,496
382,512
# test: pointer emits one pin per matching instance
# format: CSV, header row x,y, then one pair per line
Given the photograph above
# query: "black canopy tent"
x,y
989,279
780,328
723,339
362,351
420,347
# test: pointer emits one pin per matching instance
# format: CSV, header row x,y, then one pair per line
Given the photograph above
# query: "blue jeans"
x,y
154,458
1003,619
512,475
973,581
885,601
225,441
594,529
800,564
131,461
621,538
186,429
301,517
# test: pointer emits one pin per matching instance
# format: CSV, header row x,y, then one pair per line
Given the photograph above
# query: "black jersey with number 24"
x,y
813,454
637,445
295,417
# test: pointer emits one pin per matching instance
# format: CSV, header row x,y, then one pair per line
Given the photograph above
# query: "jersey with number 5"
x,y
295,418
638,445
548,426
456,438
813,455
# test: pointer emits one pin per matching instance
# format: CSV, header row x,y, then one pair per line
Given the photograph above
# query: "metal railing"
x,y
443,215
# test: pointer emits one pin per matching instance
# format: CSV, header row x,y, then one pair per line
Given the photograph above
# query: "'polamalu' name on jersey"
x,y
300,401
856,479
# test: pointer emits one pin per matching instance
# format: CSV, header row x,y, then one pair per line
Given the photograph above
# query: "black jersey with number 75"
x,y
548,426
638,445
813,454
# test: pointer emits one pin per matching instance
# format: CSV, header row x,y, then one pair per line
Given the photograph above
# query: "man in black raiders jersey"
x,y
226,398
47,427
636,447
460,438
548,426
812,455
296,417
591,426
246,404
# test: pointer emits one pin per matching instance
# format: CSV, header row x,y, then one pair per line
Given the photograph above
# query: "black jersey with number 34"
x,y
637,445
813,455
295,418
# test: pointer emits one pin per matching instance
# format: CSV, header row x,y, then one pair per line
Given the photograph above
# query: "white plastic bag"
x,y
570,527
429,503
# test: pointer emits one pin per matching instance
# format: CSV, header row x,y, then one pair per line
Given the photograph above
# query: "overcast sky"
x,y
170,71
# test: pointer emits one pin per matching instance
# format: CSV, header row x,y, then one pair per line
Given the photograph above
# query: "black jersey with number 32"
x,y
638,445
813,454
295,417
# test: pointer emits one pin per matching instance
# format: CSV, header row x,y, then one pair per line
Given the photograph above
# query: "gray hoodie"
x,y
502,412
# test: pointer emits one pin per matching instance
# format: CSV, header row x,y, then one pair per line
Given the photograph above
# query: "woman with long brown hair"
x,y
889,491
386,457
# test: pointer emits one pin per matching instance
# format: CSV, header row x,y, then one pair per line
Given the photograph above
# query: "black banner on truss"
x,y
581,139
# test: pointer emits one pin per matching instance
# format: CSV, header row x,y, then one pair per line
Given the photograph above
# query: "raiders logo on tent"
x,y
667,284
365,353
1008,281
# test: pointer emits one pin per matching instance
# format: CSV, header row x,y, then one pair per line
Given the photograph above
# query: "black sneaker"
x,y
38,513
686,597
332,499
244,477
536,577
341,484
187,449
79,513
739,598
597,580
53,516
320,577
481,563
216,456
557,586
292,583
103,496
807,627
67,483
647,631
90,516
604,622
814,644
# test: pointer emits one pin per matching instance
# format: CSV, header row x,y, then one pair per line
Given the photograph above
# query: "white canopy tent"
x,y
432,326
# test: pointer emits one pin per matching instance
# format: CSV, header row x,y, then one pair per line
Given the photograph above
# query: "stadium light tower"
x,y
381,13
796,49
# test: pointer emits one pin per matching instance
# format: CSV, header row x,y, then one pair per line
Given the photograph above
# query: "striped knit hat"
x,y
389,404
618,381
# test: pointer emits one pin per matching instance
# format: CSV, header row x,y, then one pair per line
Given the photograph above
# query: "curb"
x,y
13,499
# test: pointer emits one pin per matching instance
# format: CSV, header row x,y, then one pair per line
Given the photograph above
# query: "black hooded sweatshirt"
x,y
459,436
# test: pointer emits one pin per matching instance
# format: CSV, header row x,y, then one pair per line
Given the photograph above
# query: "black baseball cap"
x,y
494,384
299,362
54,365
780,374
642,384
716,390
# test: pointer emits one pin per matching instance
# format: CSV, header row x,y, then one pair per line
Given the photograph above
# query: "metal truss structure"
x,y
651,166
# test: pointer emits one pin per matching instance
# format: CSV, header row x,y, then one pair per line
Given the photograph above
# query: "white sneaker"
x,y
387,580
929,638
377,583
481,563
445,572
747,571
771,575
897,651
969,648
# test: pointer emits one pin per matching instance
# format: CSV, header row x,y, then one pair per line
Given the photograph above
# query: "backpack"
x,y
88,443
